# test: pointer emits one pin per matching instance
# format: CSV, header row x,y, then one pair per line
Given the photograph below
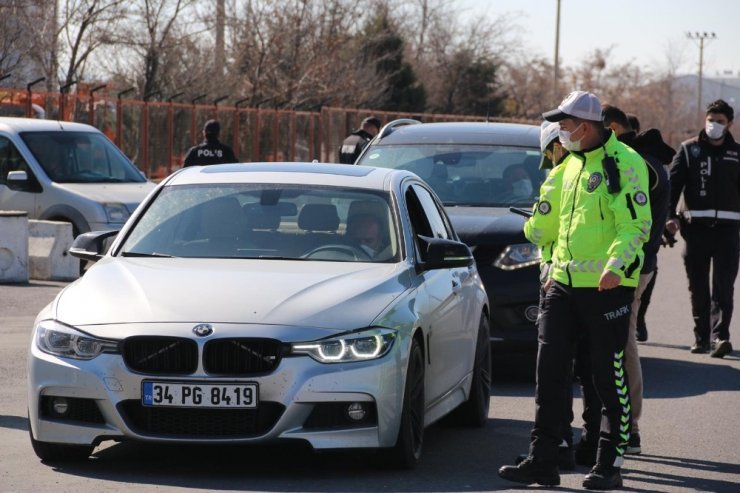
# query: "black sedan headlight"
x,y
355,346
518,256
58,339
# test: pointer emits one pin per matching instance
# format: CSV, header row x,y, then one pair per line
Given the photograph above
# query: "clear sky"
x,y
639,31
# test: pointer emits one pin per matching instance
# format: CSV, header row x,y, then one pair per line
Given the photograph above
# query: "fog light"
x,y
531,312
356,411
60,405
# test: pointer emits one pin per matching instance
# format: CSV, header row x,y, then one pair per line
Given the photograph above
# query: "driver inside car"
x,y
366,231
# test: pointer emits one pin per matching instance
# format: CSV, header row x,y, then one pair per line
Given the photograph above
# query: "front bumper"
x,y
289,395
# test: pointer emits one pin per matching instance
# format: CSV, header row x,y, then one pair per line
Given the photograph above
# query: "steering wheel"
x,y
325,251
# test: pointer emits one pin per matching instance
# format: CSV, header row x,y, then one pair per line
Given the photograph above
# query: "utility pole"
x,y
700,37
556,64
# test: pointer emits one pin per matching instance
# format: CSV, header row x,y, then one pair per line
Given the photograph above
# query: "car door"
x,y
14,199
440,306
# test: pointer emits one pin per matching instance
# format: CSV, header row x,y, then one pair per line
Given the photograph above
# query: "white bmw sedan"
x,y
251,303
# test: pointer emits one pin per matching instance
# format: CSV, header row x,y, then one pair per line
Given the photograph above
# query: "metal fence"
x,y
156,135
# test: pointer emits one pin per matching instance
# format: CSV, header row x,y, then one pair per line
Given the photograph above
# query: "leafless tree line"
x,y
305,54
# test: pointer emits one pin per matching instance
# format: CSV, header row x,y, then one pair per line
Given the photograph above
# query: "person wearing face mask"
x,y
603,218
706,171
518,183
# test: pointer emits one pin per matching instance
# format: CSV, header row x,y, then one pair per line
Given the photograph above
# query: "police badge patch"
x,y
695,150
544,208
594,181
641,198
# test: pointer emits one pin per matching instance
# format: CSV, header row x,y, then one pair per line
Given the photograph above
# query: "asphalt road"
x,y
690,428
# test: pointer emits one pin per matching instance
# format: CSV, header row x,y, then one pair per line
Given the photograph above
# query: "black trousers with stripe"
x,y
603,317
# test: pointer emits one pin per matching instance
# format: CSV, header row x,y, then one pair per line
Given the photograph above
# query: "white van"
x,y
71,172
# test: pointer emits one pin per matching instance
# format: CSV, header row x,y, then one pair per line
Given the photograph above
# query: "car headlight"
x,y
518,256
116,213
356,346
55,338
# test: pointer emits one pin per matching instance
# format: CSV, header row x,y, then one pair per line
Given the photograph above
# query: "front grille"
x,y
242,356
200,423
82,410
165,355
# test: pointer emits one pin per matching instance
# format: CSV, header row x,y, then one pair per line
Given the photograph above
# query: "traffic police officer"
x,y
210,151
706,169
603,218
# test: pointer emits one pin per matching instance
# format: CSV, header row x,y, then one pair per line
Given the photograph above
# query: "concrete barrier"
x,y
48,243
13,247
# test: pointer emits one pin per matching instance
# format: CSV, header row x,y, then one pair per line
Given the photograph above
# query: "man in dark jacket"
x,y
655,152
357,140
210,151
706,170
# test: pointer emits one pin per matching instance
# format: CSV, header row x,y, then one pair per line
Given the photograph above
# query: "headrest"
x,y
318,217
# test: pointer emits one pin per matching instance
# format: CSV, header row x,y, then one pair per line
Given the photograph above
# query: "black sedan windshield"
x,y
478,175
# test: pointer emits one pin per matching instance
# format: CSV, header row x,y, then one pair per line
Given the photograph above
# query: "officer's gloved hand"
x,y
668,239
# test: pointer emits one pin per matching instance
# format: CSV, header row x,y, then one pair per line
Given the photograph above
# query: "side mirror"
x,y
444,254
91,246
18,180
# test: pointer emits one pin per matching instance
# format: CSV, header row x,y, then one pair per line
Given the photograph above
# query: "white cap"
x,y
548,132
579,104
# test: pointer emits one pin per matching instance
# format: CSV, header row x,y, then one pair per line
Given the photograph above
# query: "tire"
x,y
474,411
57,452
407,451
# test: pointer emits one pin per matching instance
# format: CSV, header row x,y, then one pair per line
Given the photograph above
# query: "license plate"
x,y
190,394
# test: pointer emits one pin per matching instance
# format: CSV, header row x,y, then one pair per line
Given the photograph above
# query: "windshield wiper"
x,y
150,254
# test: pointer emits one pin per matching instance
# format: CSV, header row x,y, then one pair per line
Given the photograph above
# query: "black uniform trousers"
x,y
568,313
717,247
581,368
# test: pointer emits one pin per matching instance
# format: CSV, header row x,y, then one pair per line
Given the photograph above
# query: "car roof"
x,y
290,173
492,133
17,125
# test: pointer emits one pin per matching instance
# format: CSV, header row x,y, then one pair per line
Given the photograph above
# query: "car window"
x,y
80,157
476,175
10,159
267,221
437,223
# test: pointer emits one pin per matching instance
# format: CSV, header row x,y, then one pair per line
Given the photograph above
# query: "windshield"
x,y
81,157
267,221
475,175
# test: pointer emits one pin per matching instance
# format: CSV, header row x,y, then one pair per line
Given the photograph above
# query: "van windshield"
x,y
81,157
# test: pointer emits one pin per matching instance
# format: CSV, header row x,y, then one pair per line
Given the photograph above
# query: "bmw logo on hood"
x,y
203,330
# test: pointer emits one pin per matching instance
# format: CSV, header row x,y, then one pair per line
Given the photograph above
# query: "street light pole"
x,y
700,37
556,71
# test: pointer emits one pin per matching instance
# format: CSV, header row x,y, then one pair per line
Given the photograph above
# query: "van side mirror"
x,y
18,180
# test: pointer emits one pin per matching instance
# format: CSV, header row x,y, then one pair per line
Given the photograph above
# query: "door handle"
x,y
455,286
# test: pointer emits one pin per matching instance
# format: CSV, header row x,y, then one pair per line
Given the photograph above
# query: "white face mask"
x,y
714,130
522,188
570,145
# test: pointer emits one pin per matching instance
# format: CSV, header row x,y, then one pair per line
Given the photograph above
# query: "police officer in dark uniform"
x,y
706,169
357,140
210,151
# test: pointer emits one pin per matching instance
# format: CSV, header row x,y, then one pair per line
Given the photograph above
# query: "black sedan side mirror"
x,y
444,254
91,246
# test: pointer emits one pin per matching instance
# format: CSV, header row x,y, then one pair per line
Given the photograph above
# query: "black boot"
x,y
603,478
566,459
530,471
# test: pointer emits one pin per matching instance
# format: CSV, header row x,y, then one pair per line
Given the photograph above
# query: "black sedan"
x,y
480,170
